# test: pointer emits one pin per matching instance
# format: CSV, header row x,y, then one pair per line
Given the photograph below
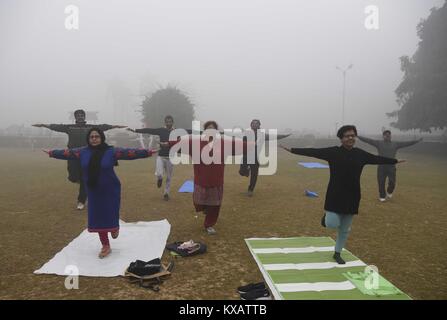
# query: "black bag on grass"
x,y
142,268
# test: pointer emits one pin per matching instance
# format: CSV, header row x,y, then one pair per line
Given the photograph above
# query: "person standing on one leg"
x,y
252,169
163,163
387,148
343,192
103,186
77,134
209,176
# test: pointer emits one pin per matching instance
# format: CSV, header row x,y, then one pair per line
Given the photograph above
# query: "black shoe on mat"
x,y
251,287
338,258
262,294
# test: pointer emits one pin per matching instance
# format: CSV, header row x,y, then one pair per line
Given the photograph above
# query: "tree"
x,y
422,94
168,101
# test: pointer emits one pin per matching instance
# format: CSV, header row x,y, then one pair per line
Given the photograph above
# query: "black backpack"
x,y
142,268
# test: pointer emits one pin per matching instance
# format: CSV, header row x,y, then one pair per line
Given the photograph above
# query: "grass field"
x,y
405,237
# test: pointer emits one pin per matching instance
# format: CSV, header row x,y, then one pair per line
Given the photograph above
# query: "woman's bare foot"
x,y
105,251
115,234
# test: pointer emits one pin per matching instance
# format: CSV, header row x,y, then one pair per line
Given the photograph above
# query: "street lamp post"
x,y
344,71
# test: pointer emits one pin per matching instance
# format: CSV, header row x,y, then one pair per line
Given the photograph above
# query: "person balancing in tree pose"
x,y
97,160
77,134
343,192
163,164
387,148
251,169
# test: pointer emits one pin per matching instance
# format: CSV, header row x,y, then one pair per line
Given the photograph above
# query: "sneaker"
x,y
211,231
251,287
159,182
389,195
262,294
166,197
250,193
382,199
337,257
80,206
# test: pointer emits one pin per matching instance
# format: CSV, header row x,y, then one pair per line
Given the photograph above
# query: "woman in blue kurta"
x,y
102,184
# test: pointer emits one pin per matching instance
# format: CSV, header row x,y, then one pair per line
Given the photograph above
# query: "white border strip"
x,y
294,250
315,286
309,266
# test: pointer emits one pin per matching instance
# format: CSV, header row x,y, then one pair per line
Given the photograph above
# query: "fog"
x,y
273,60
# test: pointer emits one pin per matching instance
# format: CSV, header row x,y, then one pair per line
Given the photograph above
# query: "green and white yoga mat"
x,y
303,268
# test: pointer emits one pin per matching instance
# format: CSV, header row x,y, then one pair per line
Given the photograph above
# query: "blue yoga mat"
x,y
311,194
188,186
313,165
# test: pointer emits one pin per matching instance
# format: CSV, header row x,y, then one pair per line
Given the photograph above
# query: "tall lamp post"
x,y
344,71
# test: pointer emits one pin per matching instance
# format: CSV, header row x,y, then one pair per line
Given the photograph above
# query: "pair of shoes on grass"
x,y
254,291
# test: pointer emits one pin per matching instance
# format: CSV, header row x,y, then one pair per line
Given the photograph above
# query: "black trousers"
x,y
384,172
82,195
75,176
254,171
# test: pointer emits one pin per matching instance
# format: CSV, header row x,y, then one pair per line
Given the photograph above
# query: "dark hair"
x,y
341,132
101,133
386,131
214,123
169,117
79,111
258,121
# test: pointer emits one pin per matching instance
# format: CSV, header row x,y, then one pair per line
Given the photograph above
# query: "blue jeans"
x,y
341,222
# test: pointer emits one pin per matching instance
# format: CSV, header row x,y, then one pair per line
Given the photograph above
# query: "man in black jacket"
x,y
252,169
387,148
77,134
343,192
163,163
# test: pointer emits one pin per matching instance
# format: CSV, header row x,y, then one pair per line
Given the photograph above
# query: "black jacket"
x,y
343,191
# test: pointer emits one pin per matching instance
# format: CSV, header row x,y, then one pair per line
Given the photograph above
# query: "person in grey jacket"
x,y
387,148
77,133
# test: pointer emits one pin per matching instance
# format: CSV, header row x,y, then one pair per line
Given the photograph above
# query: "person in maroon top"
x,y
209,177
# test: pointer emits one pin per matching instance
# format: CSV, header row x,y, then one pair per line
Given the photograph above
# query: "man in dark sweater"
x,y
163,163
77,134
387,148
343,192
252,169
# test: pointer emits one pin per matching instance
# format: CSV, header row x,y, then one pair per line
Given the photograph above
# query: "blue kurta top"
x,y
104,198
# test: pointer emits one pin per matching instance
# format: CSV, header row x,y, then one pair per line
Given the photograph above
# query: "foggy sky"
x,y
238,59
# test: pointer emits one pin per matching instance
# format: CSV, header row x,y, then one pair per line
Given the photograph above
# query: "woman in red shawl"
x,y
209,175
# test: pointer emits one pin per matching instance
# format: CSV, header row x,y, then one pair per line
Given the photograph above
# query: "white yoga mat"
x,y
142,240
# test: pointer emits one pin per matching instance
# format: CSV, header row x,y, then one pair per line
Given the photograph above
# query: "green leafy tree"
x,y
422,94
168,101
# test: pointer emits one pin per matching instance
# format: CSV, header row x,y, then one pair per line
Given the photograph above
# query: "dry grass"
x,y
405,237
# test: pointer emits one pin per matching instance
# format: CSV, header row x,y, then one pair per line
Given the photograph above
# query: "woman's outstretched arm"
x,y
132,153
64,154
319,153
